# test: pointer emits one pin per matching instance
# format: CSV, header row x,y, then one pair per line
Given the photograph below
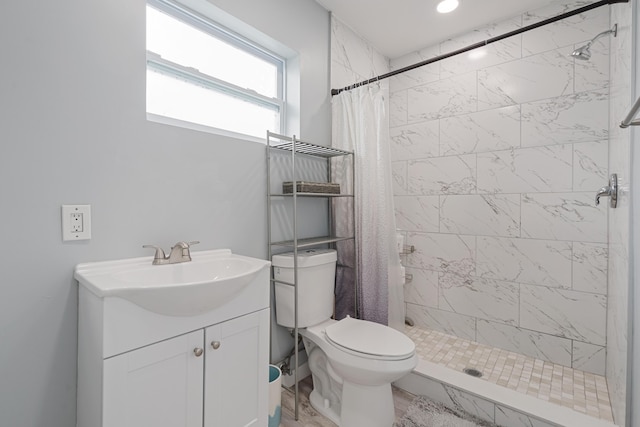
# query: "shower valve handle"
x,y
610,191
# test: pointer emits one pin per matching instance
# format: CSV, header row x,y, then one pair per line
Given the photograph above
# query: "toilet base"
x,y
362,406
366,406
321,405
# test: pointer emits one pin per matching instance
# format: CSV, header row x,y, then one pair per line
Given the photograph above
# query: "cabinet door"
x,y
237,372
160,385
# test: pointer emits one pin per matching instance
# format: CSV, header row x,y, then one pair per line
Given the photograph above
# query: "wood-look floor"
x,y
308,417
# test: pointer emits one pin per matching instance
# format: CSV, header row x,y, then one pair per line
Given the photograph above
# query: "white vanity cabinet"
x,y
138,368
167,383
235,373
158,385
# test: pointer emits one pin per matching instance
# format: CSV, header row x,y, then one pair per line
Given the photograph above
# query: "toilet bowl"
x,y
353,362
357,372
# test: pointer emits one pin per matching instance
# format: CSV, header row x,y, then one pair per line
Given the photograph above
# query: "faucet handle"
x,y
159,252
610,191
180,252
184,245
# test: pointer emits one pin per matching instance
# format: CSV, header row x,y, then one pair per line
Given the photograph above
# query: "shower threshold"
x,y
513,390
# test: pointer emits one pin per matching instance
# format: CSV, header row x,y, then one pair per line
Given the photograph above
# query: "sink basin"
x,y
210,280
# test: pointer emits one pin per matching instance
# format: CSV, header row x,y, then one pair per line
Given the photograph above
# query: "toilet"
x,y
353,362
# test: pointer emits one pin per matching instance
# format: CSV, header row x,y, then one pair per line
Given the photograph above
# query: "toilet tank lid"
x,y
306,258
370,338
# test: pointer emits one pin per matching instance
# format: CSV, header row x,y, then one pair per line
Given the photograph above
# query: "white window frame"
x,y
191,75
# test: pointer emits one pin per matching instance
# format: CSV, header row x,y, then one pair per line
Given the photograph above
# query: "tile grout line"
x,y
461,349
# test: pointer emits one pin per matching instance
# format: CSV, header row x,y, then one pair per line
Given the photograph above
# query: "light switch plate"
x,y
76,222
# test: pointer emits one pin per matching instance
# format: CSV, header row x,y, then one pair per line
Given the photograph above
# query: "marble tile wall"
x,y
353,59
619,218
497,155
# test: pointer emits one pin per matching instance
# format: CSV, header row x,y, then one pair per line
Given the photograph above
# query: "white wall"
x,y
73,130
498,154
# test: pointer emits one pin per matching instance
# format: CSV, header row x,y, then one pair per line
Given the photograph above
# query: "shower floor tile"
x,y
581,391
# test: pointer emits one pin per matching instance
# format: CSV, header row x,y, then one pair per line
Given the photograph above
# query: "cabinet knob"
x,y
215,344
198,351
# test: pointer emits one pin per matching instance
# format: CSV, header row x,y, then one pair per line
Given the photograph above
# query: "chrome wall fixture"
x,y
628,121
584,52
610,191
408,250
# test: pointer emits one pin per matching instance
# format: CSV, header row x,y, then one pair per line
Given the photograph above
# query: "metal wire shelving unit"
x,y
297,148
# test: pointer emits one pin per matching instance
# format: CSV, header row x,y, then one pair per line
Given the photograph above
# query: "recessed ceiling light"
x,y
446,6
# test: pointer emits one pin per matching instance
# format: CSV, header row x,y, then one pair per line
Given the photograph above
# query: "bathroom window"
x,y
199,73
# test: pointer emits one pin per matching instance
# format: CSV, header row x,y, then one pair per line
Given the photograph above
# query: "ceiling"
x,y
397,27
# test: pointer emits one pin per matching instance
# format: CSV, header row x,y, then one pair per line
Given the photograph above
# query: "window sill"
x,y
156,118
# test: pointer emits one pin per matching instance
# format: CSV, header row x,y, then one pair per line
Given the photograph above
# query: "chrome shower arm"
x,y
584,52
613,31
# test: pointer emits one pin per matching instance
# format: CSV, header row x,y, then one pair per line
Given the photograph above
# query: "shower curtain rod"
x,y
480,44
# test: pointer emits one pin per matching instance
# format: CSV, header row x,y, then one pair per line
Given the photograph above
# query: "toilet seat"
x,y
369,339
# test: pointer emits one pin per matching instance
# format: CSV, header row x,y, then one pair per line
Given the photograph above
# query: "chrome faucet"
x,y
180,252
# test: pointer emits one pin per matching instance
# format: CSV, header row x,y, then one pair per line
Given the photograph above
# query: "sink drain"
x,y
472,372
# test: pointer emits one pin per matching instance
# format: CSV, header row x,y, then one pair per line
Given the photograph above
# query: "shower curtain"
x,y
360,124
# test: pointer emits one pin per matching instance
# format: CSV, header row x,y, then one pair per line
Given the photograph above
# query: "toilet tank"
x,y
316,283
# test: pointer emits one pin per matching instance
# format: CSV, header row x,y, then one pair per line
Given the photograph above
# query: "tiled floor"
x,y
308,417
578,390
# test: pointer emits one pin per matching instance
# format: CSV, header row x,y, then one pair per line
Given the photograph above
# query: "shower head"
x,y
584,52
